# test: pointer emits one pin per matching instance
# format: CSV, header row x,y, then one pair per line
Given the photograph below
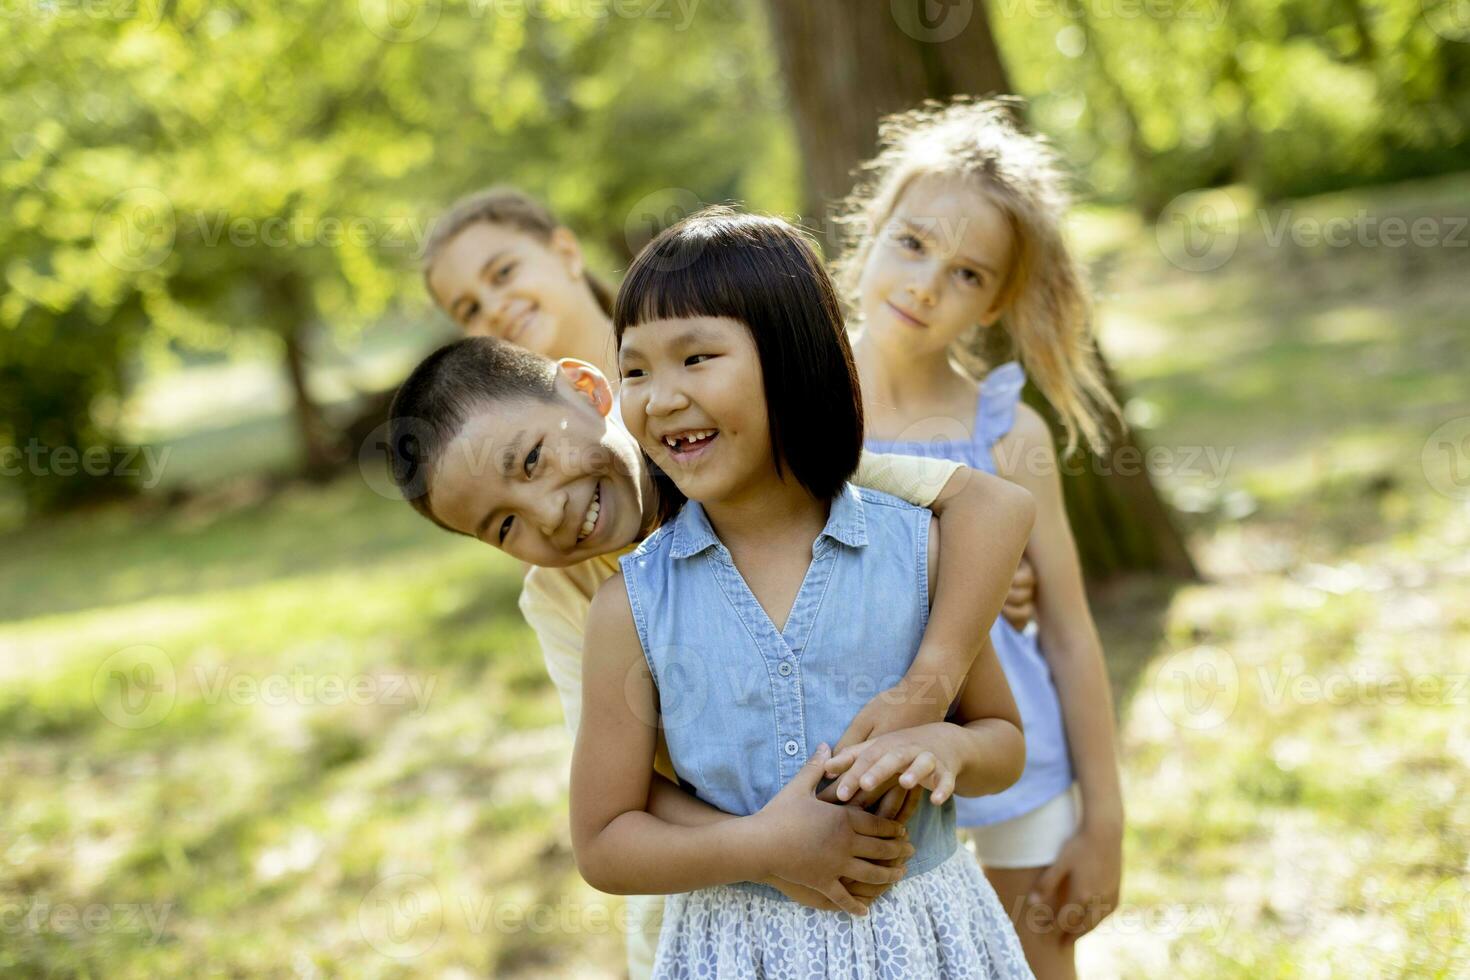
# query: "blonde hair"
x,y
501,206
1045,306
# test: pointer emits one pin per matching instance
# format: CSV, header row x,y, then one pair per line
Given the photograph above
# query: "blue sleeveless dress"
x,y
743,705
1048,771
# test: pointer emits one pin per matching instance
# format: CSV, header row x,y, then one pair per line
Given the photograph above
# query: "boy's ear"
x,y
564,243
588,382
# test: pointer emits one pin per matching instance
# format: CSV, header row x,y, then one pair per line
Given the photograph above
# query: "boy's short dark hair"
x,y
767,274
437,399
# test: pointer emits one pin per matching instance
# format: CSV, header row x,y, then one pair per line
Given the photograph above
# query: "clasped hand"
x,y
829,855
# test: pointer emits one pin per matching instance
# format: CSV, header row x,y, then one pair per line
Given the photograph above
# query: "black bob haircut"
x,y
767,274
442,394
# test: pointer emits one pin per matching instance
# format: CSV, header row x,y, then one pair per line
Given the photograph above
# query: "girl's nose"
x,y
498,308
922,288
665,398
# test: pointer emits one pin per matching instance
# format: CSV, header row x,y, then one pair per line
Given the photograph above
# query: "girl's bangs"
x,y
687,276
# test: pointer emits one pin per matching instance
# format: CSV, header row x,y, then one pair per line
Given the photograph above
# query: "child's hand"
x,y
920,756
1081,886
896,804
1020,607
908,704
814,844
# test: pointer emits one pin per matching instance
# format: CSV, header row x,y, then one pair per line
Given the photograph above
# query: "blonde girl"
x,y
954,249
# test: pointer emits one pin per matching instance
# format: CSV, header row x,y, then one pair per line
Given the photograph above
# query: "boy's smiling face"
x,y
552,483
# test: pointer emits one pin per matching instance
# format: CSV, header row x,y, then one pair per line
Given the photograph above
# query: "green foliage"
x,y
186,177
198,177
1150,98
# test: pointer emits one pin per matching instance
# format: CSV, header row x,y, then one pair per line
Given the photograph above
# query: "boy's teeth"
x,y
590,521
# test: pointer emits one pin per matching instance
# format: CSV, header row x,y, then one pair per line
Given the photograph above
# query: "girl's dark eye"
x,y
531,458
970,276
503,273
505,528
693,359
469,312
632,373
909,242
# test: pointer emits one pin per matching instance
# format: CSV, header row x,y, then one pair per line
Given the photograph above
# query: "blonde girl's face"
x,y
499,281
936,268
693,395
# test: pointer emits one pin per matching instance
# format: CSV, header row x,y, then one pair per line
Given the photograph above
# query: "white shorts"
x,y
1032,840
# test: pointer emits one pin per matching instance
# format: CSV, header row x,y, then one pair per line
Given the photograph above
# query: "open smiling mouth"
x,y
688,446
519,324
594,512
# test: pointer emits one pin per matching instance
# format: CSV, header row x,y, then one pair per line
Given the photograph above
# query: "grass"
x,y
301,732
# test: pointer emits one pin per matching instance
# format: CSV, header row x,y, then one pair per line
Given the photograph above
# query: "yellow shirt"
x,y
555,601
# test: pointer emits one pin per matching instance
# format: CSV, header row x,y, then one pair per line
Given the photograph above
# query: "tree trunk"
x,y
1120,522
847,63
291,310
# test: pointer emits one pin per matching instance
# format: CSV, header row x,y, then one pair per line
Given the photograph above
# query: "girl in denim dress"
x,y
753,626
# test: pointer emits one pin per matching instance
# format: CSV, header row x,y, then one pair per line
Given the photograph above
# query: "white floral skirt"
x,y
946,922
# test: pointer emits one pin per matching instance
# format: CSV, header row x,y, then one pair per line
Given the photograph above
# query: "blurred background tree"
x,y
189,180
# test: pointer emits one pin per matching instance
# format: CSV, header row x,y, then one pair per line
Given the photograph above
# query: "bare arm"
x,y
981,751
622,849
985,522
1089,869
1069,638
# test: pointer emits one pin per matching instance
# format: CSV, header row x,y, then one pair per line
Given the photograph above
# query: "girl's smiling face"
x,y
552,483
498,281
694,398
938,267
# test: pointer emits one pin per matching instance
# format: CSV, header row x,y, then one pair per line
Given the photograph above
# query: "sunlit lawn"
x,y
305,733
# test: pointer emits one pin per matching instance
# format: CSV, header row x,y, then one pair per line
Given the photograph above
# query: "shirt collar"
x,y
847,524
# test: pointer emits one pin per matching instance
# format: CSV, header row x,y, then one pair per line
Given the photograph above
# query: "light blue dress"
x,y
743,705
1048,771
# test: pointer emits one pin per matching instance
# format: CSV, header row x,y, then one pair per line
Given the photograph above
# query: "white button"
x,y
791,746
784,669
